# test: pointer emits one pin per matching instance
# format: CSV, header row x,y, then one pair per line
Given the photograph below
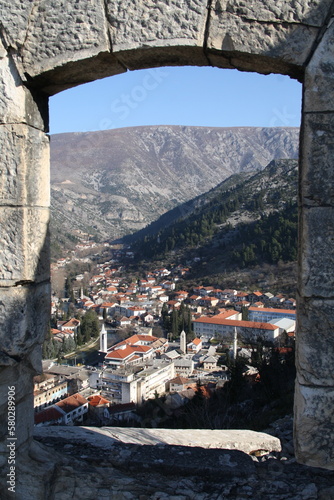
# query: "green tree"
x,y
90,326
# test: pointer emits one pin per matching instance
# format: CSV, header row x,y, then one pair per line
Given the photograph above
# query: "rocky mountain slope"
x,y
247,220
114,182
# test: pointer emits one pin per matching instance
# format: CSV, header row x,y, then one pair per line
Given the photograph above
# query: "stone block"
x,y
25,245
163,56
15,16
144,24
308,12
24,319
319,75
317,152
25,170
62,31
316,241
314,423
289,44
315,342
17,103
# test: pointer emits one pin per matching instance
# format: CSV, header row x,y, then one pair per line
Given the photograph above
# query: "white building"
x,y
266,314
125,386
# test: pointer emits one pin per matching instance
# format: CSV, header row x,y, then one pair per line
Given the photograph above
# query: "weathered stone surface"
x,y
136,24
15,16
163,56
25,170
283,11
315,337
319,75
78,71
61,31
314,418
288,43
17,103
317,150
24,319
25,245
69,469
317,252
105,437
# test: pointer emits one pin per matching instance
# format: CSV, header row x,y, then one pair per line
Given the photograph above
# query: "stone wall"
x,y
49,45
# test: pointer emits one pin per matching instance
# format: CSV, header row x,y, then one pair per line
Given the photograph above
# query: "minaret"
x,y
235,344
103,339
183,342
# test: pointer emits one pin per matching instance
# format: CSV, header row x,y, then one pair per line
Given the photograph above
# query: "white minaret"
x,y
235,344
103,339
183,342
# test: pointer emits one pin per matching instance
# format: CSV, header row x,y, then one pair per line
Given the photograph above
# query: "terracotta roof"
x,y
179,380
273,310
127,351
97,400
71,403
196,341
48,415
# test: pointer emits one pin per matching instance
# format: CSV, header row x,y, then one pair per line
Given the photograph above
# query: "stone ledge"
x,y
106,437
70,463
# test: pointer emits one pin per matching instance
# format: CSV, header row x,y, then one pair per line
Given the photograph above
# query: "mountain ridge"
x,y
114,182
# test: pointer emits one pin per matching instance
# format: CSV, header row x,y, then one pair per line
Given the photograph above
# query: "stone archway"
x,y
47,46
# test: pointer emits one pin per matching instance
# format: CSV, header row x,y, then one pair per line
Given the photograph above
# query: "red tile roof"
x,y
51,414
71,403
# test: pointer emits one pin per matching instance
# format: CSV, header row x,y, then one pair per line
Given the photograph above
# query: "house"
x,y
168,285
71,326
118,413
278,299
195,345
255,296
49,416
208,301
163,298
123,321
290,303
205,290
241,304
181,295
148,318
209,363
98,406
173,304
184,366
178,384
74,408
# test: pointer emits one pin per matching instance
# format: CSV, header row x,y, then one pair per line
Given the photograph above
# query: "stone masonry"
x,y
49,45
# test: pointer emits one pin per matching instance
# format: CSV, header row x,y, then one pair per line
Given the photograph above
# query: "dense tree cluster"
x,y
177,320
271,239
206,223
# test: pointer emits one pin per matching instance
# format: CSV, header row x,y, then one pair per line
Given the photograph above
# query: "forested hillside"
x,y
244,221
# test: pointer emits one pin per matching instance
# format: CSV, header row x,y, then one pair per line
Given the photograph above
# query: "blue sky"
x,y
178,96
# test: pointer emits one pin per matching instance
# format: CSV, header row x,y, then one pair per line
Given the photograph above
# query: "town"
x,y
148,338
